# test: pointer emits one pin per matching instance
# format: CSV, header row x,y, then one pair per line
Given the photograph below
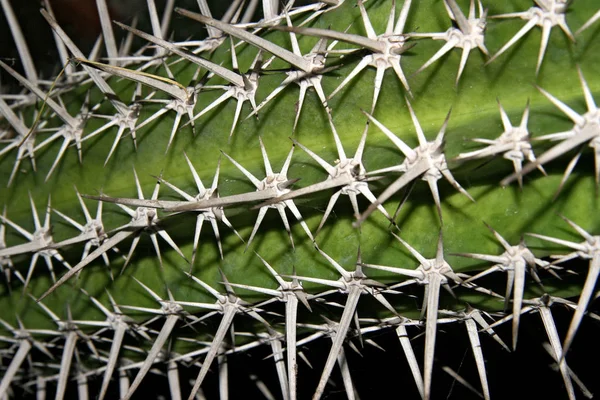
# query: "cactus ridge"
x,y
162,314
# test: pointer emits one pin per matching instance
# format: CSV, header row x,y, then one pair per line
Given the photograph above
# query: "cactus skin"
x,y
509,211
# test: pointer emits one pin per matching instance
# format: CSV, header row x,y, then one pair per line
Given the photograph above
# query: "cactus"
x,y
336,114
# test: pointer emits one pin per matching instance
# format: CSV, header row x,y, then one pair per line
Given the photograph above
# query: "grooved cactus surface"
x,y
183,254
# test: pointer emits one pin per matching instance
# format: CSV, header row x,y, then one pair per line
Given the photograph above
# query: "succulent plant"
x,y
301,133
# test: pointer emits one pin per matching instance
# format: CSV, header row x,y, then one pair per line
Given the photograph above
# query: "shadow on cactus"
x,y
299,200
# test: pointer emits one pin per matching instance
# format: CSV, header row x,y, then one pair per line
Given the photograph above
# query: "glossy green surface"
x,y
512,213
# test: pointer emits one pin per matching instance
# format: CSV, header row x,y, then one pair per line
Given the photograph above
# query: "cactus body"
x,y
300,178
